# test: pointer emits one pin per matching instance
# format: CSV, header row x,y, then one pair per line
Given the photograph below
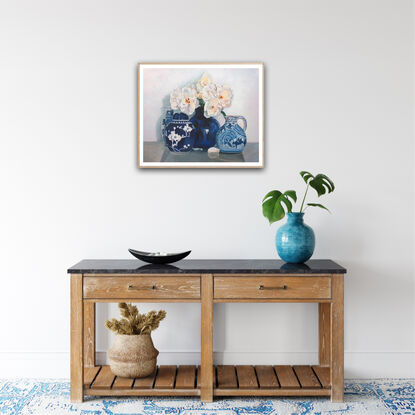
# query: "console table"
x,y
208,282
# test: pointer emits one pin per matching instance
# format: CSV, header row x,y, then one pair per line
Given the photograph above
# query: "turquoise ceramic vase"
x,y
295,240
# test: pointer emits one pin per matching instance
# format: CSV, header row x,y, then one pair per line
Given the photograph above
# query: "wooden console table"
x,y
208,282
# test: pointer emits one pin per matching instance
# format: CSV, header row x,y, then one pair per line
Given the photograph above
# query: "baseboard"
x,y
358,365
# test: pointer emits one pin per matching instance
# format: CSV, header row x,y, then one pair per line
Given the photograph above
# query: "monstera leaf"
x,y
317,205
320,183
274,203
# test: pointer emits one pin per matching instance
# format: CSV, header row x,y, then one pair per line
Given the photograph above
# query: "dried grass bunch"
x,y
133,322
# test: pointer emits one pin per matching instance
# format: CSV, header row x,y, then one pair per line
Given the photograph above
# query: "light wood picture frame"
x,y
201,115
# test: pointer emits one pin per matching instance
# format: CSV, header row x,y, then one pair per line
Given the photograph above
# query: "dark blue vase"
x,y
206,129
295,240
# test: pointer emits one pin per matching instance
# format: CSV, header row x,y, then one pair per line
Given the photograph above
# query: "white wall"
x,y
338,100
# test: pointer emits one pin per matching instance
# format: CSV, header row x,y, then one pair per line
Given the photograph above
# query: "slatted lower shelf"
x,y
227,381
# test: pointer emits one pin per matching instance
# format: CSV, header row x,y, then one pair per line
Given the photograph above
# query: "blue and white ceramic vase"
x,y
231,137
180,134
206,129
295,241
168,117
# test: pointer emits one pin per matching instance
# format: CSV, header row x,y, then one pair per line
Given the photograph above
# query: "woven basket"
x,y
133,356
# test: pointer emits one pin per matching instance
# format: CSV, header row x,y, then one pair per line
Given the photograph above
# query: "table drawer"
x,y
141,287
272,287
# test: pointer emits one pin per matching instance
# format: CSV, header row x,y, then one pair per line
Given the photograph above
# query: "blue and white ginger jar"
x,y
168,118
180,134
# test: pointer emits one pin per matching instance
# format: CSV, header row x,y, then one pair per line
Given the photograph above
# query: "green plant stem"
x,y
305,194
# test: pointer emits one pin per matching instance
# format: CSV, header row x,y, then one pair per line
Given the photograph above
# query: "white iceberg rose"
x,y
224,94
208,92
189,101
212,108
175,99
205,80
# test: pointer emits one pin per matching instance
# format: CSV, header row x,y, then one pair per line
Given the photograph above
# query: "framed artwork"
x,y
201,115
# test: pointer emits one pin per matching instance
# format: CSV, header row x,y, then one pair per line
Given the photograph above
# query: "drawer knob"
x,y
282,287
134,287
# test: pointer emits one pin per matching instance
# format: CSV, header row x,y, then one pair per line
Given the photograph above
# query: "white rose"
x,y
205,80
189,101
208,92
212,108
224,94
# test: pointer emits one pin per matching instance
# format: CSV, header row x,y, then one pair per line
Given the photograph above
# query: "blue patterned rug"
x,y
362,397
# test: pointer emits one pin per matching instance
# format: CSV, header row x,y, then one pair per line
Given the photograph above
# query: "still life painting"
x,y
200,115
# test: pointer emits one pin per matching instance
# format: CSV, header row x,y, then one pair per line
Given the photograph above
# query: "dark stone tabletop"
x,y
206,266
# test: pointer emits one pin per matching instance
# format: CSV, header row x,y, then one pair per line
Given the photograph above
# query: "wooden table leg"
x,y
77,367
337,339
324,335
206,364
89,334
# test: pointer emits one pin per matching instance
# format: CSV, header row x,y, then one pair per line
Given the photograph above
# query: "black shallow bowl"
x,y
156,258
